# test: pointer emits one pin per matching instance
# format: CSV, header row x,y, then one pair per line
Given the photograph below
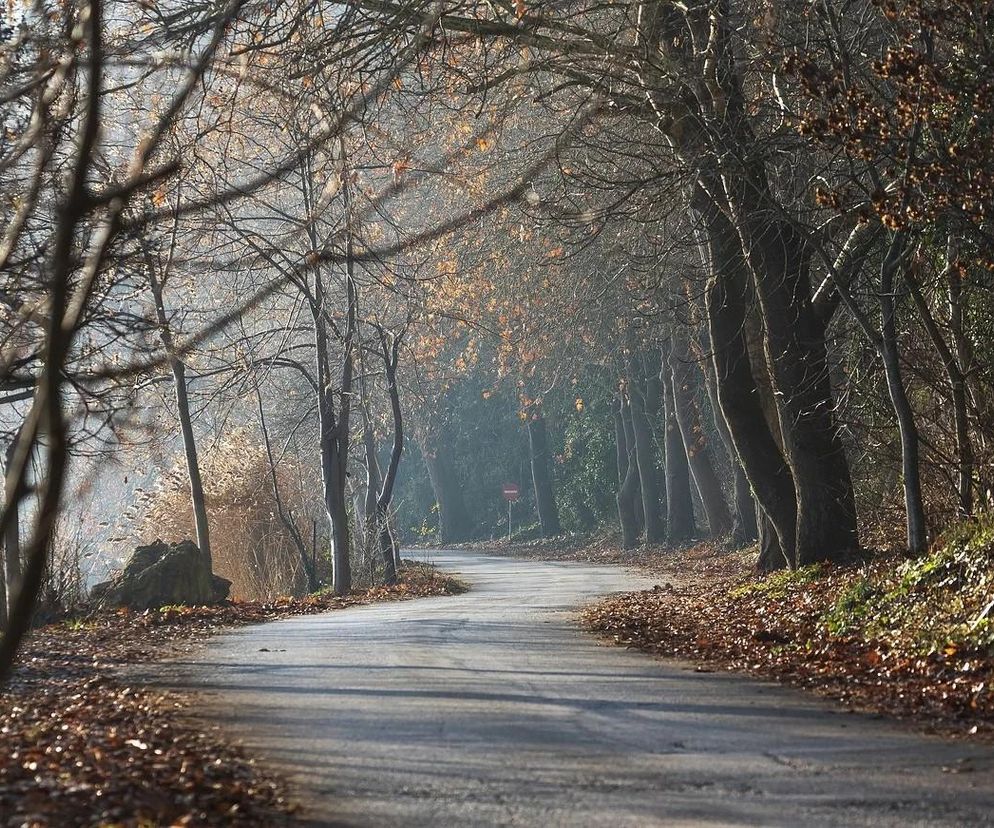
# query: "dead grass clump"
x,y
249,543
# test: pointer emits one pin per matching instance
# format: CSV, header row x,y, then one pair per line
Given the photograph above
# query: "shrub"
x,y
249,543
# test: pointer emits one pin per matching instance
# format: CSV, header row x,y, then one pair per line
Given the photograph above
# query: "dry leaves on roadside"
x,y
782,634
80,746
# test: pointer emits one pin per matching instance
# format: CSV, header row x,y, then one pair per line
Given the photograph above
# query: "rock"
x,y
161,574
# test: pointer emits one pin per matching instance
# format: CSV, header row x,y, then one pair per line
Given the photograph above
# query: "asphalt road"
x,y
492,708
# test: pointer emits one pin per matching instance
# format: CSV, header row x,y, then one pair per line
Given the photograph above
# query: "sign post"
x,y
511,493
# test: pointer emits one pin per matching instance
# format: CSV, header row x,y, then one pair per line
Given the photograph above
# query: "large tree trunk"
x,y
192,463
645,453
333,434
777,261
738,397
744,527
771,554
680,525
626,481
339,435
694,439
796,352
545,496
453,520
335,499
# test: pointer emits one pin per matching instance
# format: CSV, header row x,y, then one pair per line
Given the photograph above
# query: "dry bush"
x,y
70,556
249,543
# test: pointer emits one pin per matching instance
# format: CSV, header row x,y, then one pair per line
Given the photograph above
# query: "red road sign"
x,y
511,492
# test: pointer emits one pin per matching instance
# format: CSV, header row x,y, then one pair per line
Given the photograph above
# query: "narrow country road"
x,y
492,708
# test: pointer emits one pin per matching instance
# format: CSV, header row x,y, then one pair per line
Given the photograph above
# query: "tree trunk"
x,y
545,497
744,528
333,438
777,259
335,446
453,519
389,548
626,481
178,368
374,517
797,354
956,367
335,497
192,463
771,554
739,400
680,525
645,454
11,541
694,440
913,504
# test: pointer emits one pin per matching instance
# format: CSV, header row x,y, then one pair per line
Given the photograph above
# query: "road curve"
x,y
492,708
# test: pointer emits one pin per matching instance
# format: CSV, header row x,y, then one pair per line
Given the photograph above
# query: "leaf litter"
x,y
890,634
81,745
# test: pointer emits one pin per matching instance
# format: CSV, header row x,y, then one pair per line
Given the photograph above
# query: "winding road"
x,y
493,708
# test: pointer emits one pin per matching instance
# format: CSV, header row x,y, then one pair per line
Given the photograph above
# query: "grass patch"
x,y
852,607
779,584
938,602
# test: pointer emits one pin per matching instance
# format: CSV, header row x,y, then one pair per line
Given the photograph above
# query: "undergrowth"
x,y
777,584
938,602
911,637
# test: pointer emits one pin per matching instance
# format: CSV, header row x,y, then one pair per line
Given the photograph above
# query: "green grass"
x,y
778,584
937,602
850,610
